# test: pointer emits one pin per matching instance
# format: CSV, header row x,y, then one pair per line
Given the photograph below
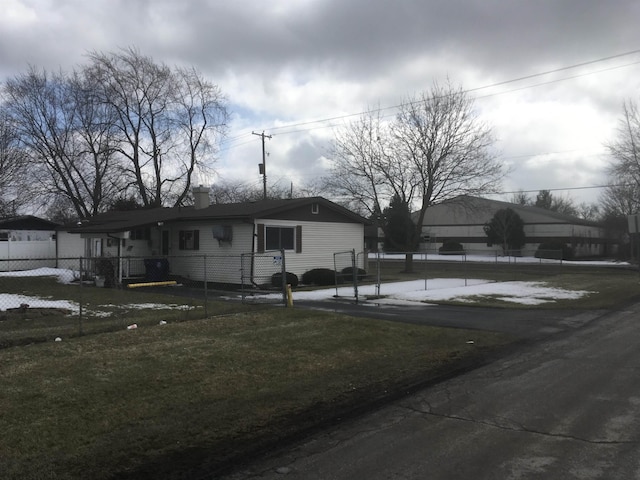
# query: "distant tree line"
x,y
119,131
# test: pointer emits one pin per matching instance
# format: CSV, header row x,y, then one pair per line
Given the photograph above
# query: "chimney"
x,y
200,197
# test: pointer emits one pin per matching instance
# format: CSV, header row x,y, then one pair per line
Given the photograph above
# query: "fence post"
x,y
354,270
80,301
283,271
466,268
206,299
424,257
378,274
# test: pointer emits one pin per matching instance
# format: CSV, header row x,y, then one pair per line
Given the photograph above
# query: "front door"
x,y
165,243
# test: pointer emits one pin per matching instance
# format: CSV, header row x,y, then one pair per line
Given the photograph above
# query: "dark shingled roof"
x,y
27,222
120,221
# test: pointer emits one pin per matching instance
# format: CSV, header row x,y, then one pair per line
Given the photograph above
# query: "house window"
x,y
315,208
278,238
140,234
189,239
4,236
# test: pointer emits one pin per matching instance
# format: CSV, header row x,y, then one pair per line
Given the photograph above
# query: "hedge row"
x,y
319,276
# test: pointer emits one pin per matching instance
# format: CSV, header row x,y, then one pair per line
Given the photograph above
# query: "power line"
x,y
558,80
559,189
475,89
556,70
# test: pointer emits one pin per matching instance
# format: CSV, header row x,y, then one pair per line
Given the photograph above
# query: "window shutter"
x,y
196,239
260,238
181,240
298,238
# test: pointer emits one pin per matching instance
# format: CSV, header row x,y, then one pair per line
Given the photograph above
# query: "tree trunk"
x,y
408,263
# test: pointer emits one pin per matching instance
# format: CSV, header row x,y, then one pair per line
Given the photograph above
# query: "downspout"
x,y
254,238
119,257
57,251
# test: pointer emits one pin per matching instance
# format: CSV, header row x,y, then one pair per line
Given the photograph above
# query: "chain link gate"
x,y
347,271
263,277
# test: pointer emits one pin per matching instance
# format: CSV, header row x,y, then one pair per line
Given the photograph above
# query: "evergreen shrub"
x,y
292,279
319,276
450,247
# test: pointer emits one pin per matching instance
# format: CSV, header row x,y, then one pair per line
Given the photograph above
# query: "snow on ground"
x,y
491,259
8,300
410,292
419,291
65,276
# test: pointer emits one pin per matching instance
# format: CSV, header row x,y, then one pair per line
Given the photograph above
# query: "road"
x,y
526,324
565,407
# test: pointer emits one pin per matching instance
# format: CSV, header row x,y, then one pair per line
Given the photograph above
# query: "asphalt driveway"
x,y
526,324
566,406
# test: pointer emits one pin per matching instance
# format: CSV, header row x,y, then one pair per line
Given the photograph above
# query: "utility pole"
x,y
263,166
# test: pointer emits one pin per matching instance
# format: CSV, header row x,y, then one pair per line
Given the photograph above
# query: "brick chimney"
x,y
200,197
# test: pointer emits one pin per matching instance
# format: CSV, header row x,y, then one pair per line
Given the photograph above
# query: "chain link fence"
x,y
264,277
48,299
424,266
44,299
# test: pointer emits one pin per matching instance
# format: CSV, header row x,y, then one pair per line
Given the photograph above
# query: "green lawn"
x,y
608,286
204,391
103,310
155,401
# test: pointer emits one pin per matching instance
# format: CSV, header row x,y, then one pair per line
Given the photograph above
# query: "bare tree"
x,y
620,199
61,138
120,127
200,120
564,205
12,163
521,198
625,149
447,147
435,148
237,192
588,211
138,91
168,122
364,172
622,196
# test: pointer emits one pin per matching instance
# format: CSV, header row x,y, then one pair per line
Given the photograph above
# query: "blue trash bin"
x,y
157,269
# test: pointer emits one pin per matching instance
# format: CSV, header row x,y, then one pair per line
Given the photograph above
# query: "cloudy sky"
x,y
300,69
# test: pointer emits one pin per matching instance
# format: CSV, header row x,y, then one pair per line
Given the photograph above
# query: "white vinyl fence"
x,y
20,255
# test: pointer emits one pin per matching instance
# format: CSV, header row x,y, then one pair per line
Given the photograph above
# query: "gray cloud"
x,y
310,59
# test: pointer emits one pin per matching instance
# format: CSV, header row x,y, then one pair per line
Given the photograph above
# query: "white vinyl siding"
x,y
319,241
222,257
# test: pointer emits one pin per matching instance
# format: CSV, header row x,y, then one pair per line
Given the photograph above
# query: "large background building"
x,y
462,220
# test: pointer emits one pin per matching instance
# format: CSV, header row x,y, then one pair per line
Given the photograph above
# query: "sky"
x,y
299,70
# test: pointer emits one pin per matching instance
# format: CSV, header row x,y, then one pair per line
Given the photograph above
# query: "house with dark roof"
x,y
30,239
309,230
462,220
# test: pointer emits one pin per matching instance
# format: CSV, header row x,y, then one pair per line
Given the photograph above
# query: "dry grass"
x,y
608,286
103,310
156,398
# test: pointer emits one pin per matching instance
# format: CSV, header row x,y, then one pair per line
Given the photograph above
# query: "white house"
x,y
462,220
220,242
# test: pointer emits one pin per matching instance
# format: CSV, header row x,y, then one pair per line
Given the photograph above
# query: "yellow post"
x,y
152,284
289,296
